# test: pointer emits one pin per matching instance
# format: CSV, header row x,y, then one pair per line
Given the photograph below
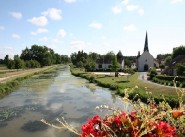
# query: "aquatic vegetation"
x,y
7,114
33,126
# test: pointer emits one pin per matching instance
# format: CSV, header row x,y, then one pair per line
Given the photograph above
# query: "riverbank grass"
x,y
143,90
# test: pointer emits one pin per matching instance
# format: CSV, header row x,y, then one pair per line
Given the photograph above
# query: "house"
x,y
170,69
145,60
106,63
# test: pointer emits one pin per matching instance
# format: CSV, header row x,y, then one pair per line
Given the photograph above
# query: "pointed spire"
x,y
146,43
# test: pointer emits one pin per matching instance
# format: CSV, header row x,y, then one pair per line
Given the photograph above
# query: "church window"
x,y
146,60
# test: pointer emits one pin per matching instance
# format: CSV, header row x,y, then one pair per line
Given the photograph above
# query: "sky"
x,y
99,26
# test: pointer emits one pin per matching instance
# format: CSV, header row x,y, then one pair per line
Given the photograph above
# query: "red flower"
x,y
164,129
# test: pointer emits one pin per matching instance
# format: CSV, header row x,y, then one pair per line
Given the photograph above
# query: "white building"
x,y
145,60
106,63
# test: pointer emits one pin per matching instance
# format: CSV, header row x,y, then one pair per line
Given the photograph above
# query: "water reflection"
x,y
49,96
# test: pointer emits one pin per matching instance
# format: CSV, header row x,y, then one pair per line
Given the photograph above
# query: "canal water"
x,y
49,96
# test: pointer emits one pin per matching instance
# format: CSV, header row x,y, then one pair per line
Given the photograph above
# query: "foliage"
x,y
42,54
178,51
115,65
152,73
36,56
19,63
129,60
180,70
11,64
6,59
161,57
167,60
79,59
170,78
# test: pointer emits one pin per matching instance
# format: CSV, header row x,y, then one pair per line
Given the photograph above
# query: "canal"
x,y
49,96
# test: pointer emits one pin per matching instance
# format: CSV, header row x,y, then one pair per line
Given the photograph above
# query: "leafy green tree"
x,y
152,73
161,66
110,55
180,70
65,59
28,64
6,59
26,54
128,62
90,65
11,64
115,66
79,59
167,60
178,51
19,63
34,64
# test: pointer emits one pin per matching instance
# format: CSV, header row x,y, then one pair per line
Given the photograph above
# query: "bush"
x,y
152,73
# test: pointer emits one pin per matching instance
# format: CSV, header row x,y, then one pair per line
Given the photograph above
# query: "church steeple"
x,y
146,43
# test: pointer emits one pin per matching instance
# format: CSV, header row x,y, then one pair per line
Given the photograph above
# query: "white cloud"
x,y
141,11
17,15
176,1
116,9
95,25
6,50
70,1
16,36
130,28
39,21
125,2
2,28
53,13
45,39
78,45
38,31
132,7
61,33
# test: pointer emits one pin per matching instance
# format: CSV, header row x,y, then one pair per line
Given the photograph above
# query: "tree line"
x,y
36,56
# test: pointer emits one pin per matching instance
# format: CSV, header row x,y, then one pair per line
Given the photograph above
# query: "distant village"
x,y
143,62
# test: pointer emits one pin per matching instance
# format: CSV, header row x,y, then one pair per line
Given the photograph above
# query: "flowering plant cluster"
x,y
127,125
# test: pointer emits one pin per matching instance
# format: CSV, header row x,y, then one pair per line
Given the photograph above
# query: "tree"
x,y
110,55
161,66
152,73
6,60
178,51
19,63
90,65
180,70
11,64
167,60
115,66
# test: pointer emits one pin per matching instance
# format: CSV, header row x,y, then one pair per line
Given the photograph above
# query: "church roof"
x,y
146,44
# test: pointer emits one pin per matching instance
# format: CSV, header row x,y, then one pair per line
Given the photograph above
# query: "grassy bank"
x,y
119,84
12,83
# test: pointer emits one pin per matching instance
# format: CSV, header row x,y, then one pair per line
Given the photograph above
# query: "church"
x,y
145,60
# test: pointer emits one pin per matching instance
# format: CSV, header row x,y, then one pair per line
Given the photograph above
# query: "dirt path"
x,y
143,76
20,74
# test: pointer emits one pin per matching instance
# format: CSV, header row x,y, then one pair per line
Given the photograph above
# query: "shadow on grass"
x,y
125,81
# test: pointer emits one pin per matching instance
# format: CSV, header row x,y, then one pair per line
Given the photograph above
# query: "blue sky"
x,y
92,25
